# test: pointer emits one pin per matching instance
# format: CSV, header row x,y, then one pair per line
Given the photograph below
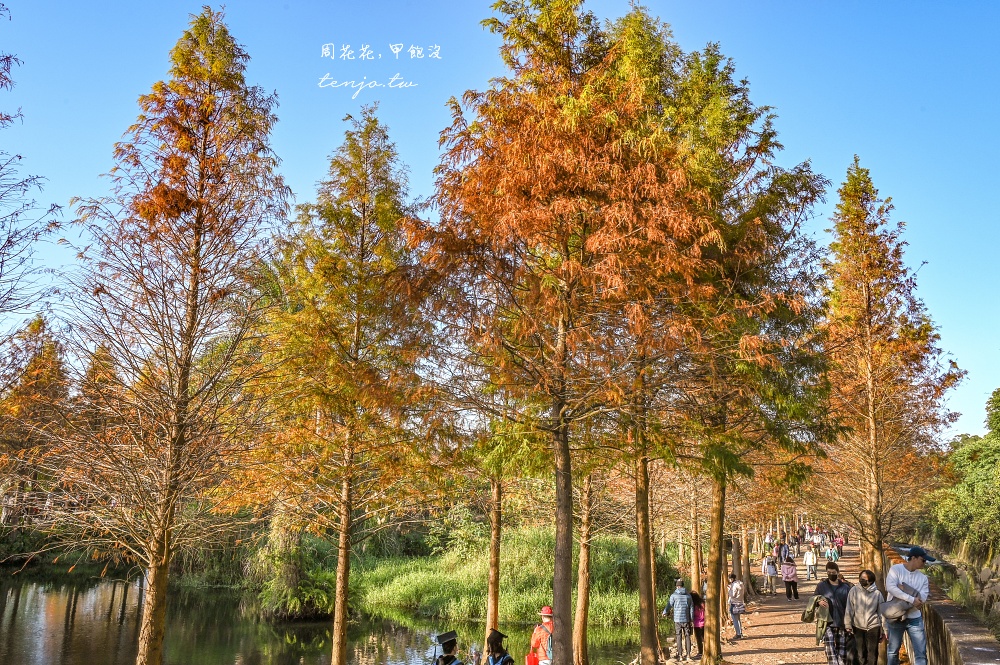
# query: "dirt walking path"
x,y
773,633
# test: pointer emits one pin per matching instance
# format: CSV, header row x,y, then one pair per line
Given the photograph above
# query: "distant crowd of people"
x,y
851,619
781,562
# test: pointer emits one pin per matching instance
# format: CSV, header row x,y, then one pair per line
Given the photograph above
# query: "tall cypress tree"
x,y
560,204
888,375
349,337
750,379
166,299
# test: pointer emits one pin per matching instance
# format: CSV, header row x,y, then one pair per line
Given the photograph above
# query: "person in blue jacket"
x,y
683,608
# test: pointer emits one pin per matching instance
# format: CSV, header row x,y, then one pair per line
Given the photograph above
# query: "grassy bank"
x,y
453,585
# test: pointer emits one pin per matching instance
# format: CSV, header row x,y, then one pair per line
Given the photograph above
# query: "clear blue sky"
x,y
911,87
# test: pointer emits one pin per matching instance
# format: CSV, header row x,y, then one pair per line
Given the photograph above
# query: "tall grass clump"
x,y
452,585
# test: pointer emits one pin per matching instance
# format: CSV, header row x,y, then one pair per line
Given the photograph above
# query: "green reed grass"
x,y
453,585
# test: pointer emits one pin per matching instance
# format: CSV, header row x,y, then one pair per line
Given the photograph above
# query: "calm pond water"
x,y
96,623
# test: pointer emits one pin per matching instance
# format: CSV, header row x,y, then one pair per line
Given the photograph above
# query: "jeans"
x,y
739,626
918,640
683,632
811,573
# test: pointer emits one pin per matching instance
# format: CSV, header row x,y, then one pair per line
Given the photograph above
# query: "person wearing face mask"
x,y
834,591
862,618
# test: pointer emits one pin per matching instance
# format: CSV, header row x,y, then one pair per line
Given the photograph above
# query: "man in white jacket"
x,y
912,622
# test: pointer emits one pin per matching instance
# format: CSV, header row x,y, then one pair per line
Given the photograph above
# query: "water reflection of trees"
x,y
93,622
67,622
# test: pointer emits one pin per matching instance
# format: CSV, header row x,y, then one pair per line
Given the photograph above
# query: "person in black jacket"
x,y
449,644
834,591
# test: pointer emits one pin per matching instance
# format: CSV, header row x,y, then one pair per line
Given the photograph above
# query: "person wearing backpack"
x,y
906,582
541,639
495,653
737,603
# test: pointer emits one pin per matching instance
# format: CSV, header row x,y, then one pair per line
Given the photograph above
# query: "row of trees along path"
x,y
773,631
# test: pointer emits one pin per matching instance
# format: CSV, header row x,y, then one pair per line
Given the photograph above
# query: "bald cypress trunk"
x,y
493,578
716,568
648,649
343,574
580,652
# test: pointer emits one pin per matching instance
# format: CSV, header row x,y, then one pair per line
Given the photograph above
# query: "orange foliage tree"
x,y
165,304
752,375
550,196
347,339
34,387
888,374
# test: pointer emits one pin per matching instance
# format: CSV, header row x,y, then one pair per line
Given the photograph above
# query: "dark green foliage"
x,y
223,565
409,540
458,533
993,413
970,509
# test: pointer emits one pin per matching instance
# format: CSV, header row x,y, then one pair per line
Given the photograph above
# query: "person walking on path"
x,y
790,576
737,604
698,621
912,623
683,609
862,617
834,591
770,571
541,638
839,542
781,548
777,632
809,559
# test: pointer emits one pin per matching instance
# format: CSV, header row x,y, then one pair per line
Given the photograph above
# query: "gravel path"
x,y
773,633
